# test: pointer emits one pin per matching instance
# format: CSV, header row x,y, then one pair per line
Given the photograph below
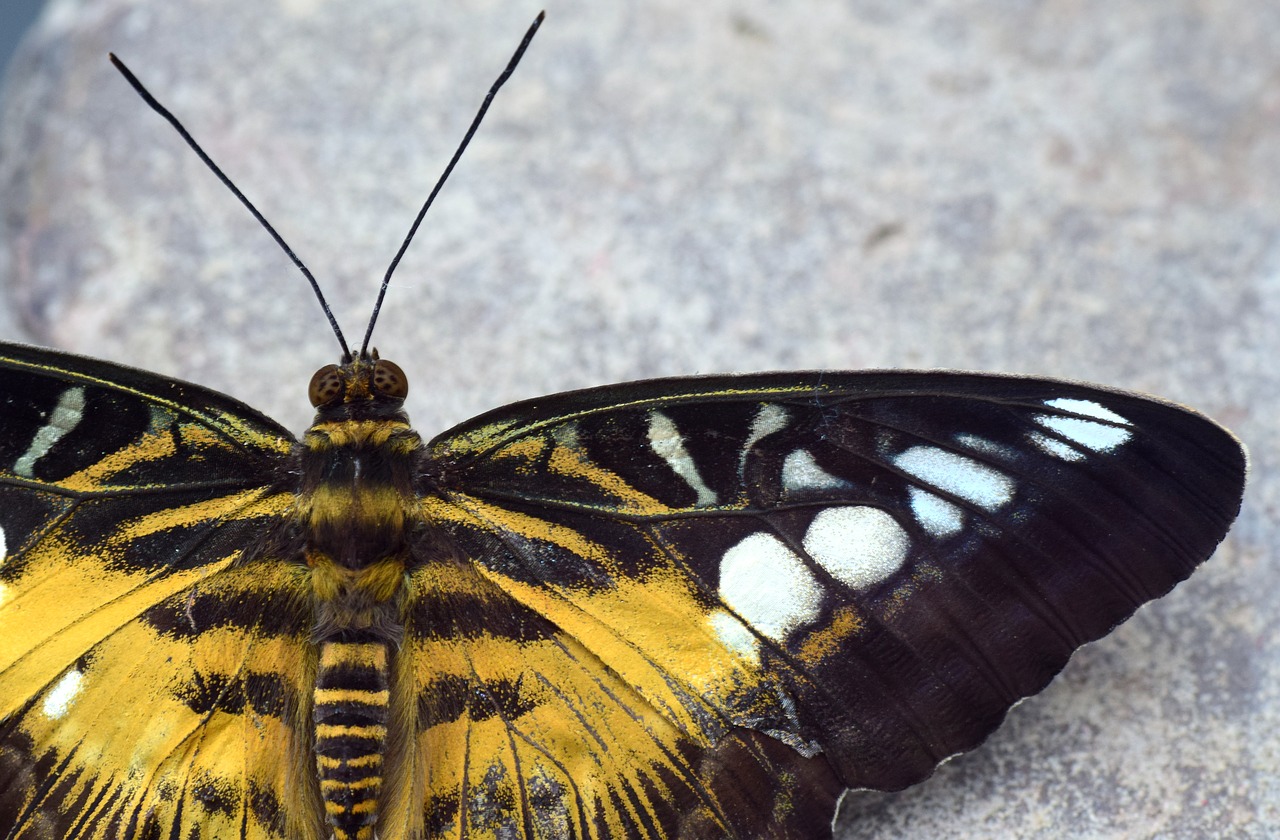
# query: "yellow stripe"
x,y
344,433
368,654
575,464
470,509
330,763
334,784
379,505
367,806
528,449
330,580
328,731
327,696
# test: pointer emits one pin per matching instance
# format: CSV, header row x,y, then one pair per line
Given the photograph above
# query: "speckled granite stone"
x,y
1085,189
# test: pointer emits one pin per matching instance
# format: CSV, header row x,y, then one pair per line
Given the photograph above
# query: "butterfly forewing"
x,y
873,566
147,684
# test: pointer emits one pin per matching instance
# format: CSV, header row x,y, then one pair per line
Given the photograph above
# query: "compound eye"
x,y
326,386
389,380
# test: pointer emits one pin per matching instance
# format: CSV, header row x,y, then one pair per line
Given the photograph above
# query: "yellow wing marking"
x,y
525,449
529,527
571,462
134,735
637,671
657,637
155,445
586,734
627,625
827,640
71,596
567,461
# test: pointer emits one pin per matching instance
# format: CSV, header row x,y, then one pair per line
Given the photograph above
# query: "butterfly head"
x,y
365,385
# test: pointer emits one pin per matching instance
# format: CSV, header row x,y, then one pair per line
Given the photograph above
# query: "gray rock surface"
x,y
1079,188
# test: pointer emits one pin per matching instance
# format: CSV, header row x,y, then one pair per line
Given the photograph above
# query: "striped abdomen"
x,y
350,714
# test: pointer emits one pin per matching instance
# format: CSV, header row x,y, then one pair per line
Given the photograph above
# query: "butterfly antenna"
x,y
208,161
475,124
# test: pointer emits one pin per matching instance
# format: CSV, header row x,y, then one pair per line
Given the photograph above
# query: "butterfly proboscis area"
x,y
691,608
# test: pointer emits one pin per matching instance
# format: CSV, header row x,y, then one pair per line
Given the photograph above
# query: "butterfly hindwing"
x,y
524,731
148,683
870,568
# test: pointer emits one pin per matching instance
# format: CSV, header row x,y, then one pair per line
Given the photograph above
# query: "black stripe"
x,y
96,525
191,613
26,516
348,747
347,798
266,808
351,677
447,697
215,798
346,714
465,615
266,694
349,774
439,812
357,636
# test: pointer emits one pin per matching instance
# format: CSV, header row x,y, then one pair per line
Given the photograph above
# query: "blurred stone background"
x,y
1079,188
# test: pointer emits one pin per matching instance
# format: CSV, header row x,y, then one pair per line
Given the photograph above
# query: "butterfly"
x,y
690,608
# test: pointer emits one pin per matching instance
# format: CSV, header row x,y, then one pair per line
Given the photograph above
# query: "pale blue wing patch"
x,y
1084,429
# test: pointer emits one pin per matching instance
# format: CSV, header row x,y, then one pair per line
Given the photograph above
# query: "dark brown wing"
x,y
779,578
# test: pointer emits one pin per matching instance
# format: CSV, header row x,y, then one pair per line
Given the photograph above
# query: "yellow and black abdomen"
x,y
350,714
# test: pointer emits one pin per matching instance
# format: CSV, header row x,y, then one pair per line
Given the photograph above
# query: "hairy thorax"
x,y
356,507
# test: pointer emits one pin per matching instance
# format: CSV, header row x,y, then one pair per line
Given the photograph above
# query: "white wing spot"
x,y
66,415
4,546
666,441
1096,436
734,634
58,700
934,513
801,472
858,545
769,419
769,586
975,482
